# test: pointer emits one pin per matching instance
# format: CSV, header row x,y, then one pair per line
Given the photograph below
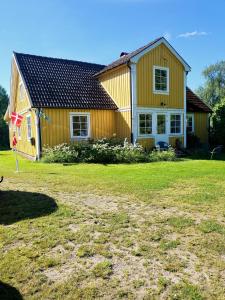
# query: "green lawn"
x,y
143,231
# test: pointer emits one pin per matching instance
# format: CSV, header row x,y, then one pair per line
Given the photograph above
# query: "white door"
x,y
161,128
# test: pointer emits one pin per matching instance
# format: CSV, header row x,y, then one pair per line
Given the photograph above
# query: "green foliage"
x,y
213,90
99,151
4,134
103,269
180,222
211,226
186,291
169,155
62,153
218,121
85,251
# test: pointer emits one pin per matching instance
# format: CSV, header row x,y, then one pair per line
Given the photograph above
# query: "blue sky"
x,y
98,30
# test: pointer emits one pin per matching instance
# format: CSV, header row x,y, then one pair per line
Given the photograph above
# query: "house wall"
x,y
201,125
57,130
160,56
123,124
117,84
22,106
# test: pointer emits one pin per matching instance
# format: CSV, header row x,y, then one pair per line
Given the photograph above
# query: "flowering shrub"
x,y
168,155
62,153
104,151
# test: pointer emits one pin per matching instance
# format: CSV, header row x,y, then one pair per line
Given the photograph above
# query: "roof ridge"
x,y
57,58
123,59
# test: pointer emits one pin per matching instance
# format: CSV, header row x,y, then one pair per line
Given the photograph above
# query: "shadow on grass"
x,y
16,206
7,292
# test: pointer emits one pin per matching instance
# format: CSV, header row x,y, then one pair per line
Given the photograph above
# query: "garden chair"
x,y
1,179
216,150
162,146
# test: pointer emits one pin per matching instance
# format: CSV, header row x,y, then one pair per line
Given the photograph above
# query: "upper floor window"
x,y
175,124
21,91
160,80
145,124
80,125
190,123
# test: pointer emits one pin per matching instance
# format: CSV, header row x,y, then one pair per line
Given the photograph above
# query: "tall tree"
x,y
218,121
214,88
4,132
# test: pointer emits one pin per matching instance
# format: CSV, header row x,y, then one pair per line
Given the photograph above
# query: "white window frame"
x,y
72,114
146,134
181,124
21,91
167,80
193,122
29,137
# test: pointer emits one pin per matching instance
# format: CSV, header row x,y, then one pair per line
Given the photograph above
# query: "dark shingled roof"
x,y
61,83
126,58
195,104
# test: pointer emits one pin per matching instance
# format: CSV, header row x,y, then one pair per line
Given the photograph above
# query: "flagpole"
x,y
15,151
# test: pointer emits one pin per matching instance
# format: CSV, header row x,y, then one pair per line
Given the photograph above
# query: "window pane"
x,y
145,123
141,117
160,80
80,126
175,123
161,124
83,119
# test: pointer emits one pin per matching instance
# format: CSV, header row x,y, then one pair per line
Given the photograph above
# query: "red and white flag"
x,y
14,141
16,119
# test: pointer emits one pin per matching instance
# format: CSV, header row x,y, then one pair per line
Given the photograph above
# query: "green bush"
x,y
103,151
168,155
62,153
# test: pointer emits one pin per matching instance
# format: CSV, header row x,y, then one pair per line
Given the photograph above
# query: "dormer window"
x,y
160,80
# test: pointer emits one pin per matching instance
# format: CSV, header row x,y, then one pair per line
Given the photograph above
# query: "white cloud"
x,y
192,34
167,36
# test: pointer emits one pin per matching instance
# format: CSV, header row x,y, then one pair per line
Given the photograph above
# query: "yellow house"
x,y
142,96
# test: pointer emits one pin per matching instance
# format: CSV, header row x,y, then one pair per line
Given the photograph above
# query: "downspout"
x,y
131,108
38,134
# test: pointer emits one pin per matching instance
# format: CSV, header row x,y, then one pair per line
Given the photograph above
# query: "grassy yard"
x,y
144,231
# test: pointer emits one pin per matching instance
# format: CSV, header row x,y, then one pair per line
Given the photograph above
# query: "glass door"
x,y
161,129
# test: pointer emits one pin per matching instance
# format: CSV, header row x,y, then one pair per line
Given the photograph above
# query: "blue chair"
x,y
163,146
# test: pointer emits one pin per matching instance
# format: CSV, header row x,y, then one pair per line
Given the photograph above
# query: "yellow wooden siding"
x,y
22,103
21,106
173,140
147,143
123,124
57,130
24,145
117,85
201,126
160,56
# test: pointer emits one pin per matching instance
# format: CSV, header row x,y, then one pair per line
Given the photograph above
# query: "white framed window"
x,y
29,129
161,123
80,125
19,132
175,124
21,91
145,124
160,80
190,123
